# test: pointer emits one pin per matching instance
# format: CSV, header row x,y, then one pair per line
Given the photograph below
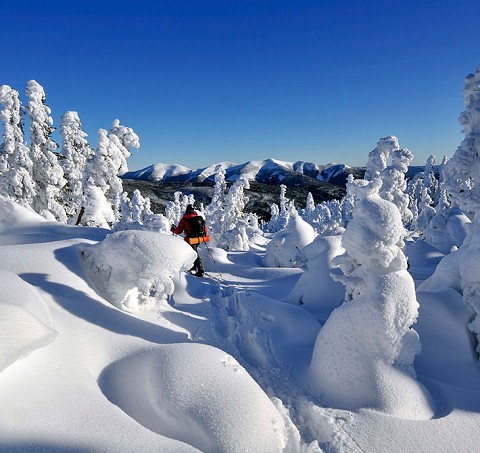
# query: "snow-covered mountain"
x,y
269,171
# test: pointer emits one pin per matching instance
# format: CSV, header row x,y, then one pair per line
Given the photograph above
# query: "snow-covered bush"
x,y
448,227
363,356
316,290
283,248
134,269
137,215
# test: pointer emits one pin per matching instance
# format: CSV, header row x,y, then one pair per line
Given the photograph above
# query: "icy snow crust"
x,y
224,363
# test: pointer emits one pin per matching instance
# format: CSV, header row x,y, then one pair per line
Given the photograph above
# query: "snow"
x,y
223,363
133,269
283,248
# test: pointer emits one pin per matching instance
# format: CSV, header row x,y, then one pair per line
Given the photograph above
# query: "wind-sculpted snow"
x,y
15,216
197,394
134,269
25,320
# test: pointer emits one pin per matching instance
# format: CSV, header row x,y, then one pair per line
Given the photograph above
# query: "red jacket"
x,y
184,225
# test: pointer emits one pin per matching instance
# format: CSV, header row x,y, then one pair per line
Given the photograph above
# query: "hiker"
x,y
196,232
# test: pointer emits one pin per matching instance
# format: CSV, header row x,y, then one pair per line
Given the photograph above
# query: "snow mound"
x,y
14,215
282,250
25,321
197,394
316,290
134,269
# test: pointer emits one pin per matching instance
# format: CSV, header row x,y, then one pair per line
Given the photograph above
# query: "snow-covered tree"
x,y
124,139
347,204
364,353
394,184
279,221
462,181
214,212
15,164
76,152
137,215
378,157
462,172
46,171
425,211
309,213
429,179
234,234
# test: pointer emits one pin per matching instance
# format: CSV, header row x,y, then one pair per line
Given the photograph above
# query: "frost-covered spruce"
x,y
214,212
429,179
378,157
462,180
462,172
309,213
364,353
426,211
102,173
124,138
46,171
394,184
279,221
77,151
15,164
234,223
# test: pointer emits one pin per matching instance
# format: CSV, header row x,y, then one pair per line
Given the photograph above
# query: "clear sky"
x,y
208,81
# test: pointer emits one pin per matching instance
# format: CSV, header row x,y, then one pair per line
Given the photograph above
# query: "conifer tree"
x,y
76,152
378,157
47,172
15,164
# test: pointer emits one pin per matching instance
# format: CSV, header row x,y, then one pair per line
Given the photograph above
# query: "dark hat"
x,y
190,208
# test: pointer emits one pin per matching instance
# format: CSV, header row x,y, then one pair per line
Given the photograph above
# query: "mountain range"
x,y
269,171
160,181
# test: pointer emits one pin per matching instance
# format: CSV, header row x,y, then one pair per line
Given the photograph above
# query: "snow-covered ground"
x,y
107,344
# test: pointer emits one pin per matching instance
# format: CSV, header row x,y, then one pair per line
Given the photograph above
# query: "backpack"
x,y
197,226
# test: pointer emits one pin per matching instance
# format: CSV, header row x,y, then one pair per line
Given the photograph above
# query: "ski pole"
x,y
214,262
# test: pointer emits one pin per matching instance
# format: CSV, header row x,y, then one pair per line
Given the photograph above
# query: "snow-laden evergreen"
x,y
215,211
234,225
378,157
76,152
16,166
394,183
46,171
354,367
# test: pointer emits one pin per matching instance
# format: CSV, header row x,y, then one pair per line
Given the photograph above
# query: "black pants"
x,y
197,264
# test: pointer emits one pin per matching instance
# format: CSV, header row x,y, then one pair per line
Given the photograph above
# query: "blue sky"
x,y
207,81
